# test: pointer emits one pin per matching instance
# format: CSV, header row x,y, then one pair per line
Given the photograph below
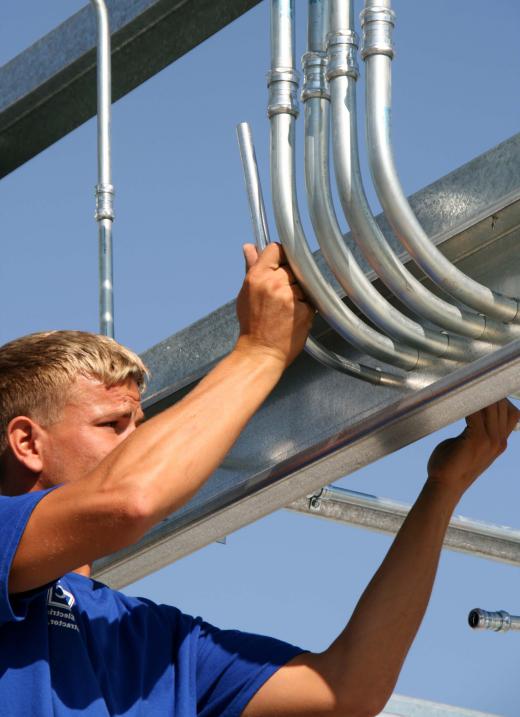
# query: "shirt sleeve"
x,y
232,666
14,514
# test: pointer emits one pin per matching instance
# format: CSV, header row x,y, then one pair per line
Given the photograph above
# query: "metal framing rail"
x,y
464,535
49,89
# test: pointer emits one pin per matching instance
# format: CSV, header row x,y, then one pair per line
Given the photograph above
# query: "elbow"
x,y
129,514
370,703
359,710
140,511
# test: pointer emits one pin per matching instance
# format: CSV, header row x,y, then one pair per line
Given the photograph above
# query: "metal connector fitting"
x,y
378,25
500,621
283,86
342,49
104,202
314,76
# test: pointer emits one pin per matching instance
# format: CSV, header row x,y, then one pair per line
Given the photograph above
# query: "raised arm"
x,y
356,675
162,464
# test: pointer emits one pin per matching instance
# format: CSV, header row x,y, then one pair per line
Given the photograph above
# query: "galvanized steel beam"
x,y
400,706
464,535
50,88
319,425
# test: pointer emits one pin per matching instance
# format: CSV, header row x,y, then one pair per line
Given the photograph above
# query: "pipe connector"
x,y
500,621
342,50
104,202
314,76
378,25
283,86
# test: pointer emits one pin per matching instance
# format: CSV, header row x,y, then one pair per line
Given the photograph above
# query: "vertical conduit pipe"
x,y
104,188
378,21
282,111
261,233
342,262
342,73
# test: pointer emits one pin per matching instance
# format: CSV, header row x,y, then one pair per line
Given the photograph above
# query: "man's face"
x,y
94,421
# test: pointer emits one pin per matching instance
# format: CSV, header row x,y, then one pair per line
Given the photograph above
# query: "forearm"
x,y
368,655
170,456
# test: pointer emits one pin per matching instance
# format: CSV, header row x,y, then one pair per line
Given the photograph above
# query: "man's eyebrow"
x,y
118,413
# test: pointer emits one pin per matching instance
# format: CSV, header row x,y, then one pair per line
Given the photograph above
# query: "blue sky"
x,y
181,218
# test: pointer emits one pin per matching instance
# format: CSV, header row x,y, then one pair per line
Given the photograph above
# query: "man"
x,y
79,482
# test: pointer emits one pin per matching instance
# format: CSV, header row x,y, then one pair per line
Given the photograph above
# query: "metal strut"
x,y
104,188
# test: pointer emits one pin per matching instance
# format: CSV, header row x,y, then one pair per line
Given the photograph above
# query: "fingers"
x,y
475,423
513,416
490,416
494,423
250,255
287,271
272,257
502,418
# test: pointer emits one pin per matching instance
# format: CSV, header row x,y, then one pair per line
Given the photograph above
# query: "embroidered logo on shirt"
x,y
59,607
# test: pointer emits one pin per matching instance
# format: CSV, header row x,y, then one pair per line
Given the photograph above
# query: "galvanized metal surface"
x,y
104,188
411,707
381,255
323,216
262,239
319,425
50,88
282,114
368,511
499,621
378,24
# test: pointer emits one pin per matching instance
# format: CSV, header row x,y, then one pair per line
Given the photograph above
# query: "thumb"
x,y
250,255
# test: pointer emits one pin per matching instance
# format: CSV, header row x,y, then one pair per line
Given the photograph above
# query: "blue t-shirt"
x,y
76,647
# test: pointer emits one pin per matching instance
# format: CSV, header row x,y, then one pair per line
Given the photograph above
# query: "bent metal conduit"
x,y
282,111
104,187
262,239
342,73
378,20
343,264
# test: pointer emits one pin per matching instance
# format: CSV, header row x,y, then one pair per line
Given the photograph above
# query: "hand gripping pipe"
x,y
500,621
343,264
104,189
378,21
342,74
261,233
282,111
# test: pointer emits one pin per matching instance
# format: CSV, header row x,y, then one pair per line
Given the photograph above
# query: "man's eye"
x,y
110,424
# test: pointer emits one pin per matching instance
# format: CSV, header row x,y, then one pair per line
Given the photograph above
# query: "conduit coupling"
x,y
342,54
283,85
104,202
315,83
499,621
378,25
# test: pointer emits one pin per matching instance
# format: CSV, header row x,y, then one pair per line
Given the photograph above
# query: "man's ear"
x,y
25,440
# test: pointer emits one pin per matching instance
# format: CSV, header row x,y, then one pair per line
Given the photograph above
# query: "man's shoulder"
x,y
97,598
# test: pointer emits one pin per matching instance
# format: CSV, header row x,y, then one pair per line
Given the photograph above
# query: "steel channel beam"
x,y
319,425
306,438
50,89
400,706
464,535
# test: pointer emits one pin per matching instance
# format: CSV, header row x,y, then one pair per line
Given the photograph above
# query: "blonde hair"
x,y
38,370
